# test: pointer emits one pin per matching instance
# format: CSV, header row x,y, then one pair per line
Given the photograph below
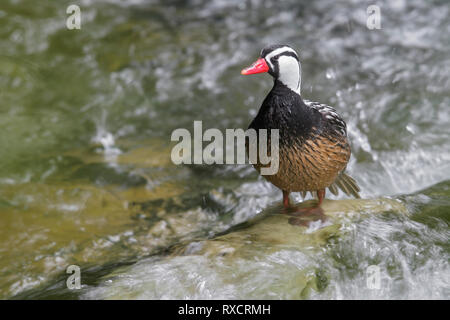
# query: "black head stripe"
x,y
287,54
268,49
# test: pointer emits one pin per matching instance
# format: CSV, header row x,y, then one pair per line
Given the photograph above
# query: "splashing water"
x,y
85,170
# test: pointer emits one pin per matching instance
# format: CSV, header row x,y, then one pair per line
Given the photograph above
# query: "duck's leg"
x,y
286,205
310,213
286,199
320,196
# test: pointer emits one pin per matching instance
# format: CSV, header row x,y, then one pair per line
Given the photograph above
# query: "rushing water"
x,y
85,170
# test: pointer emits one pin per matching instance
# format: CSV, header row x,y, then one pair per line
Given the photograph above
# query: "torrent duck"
x,y
313,145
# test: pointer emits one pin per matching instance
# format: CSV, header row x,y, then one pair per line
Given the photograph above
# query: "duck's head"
x,y
281,62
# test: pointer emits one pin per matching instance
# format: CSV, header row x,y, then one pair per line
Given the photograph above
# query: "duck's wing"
x,y
330,115
343,182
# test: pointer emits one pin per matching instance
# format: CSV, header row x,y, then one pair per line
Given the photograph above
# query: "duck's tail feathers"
x,y
347,184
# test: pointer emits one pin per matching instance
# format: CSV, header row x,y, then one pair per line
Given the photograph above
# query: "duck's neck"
x,y
280,88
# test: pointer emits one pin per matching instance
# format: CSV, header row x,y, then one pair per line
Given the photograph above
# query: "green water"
x,y
85,170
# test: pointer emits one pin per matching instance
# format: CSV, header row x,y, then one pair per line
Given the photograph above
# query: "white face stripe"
x,y
289,73
278,51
